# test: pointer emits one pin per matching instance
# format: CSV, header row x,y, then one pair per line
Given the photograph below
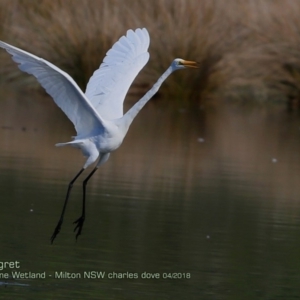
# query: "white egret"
x,y
98,114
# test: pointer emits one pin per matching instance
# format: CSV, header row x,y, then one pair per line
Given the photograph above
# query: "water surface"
x,y
208,194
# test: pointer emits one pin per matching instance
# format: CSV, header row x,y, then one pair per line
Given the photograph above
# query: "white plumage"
x,y
109,84
98,114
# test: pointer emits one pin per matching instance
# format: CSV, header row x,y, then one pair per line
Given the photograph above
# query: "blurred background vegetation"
x,y
249,50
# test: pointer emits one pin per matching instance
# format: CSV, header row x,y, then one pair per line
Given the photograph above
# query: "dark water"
x,y
208,201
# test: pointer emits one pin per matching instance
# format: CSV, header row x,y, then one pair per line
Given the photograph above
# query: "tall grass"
x,y
246,48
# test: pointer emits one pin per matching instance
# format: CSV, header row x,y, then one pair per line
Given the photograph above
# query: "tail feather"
x,y
72,143
88,149
61,144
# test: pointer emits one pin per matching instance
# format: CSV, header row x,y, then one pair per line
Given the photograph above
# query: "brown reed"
x,y
247,49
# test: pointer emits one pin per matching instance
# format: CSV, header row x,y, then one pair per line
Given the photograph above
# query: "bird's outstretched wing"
x,y
109,84
63,89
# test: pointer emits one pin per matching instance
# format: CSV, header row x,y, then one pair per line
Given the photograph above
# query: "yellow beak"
x,y
190,64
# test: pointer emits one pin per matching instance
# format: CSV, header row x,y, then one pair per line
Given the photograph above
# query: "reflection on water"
x,y
213,194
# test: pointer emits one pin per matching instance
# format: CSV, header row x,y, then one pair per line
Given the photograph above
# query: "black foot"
x,y
79,226
56,231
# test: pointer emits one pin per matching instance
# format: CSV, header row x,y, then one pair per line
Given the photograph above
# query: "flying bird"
x,y
97,114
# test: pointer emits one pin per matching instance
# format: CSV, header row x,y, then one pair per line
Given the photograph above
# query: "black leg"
x,y
57,228
81,219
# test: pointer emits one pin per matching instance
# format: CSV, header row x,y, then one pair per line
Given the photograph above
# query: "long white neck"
x,y
131,113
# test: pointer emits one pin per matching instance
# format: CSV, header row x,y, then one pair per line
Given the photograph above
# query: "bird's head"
x,y
179,63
